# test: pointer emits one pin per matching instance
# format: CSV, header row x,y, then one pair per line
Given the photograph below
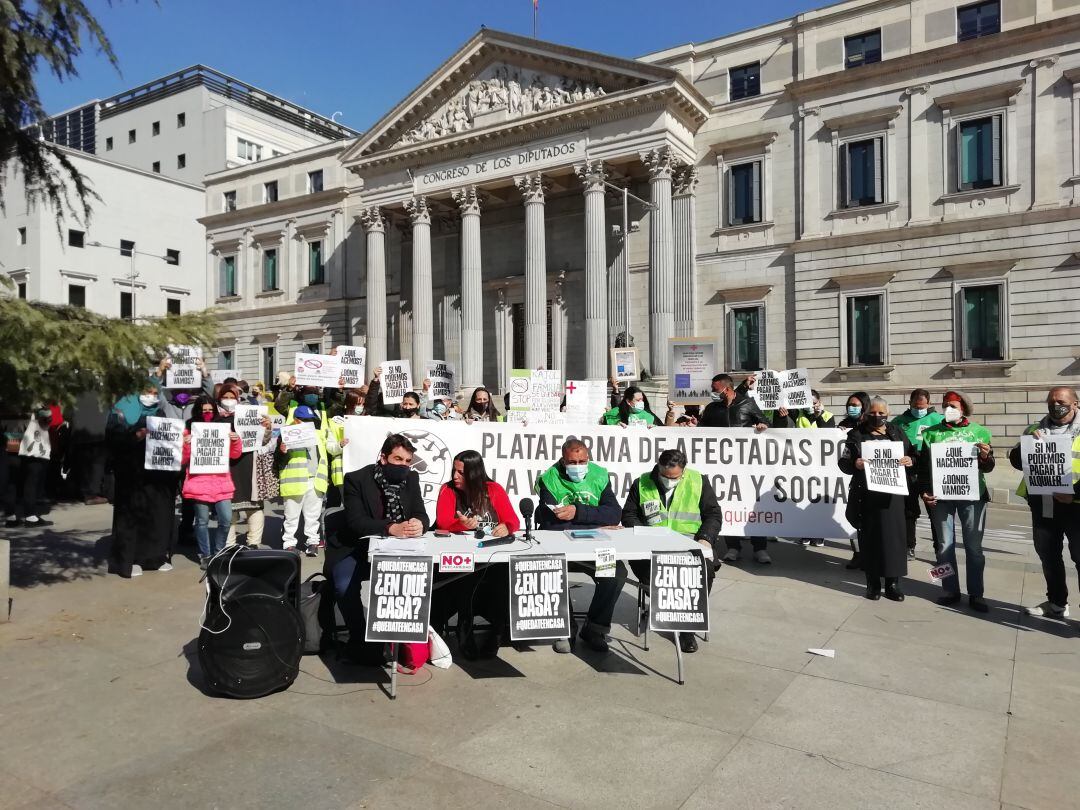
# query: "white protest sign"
x,y
1047,464
941,572
164,443
586,400
536,390
277,421
456,562
299,436
795,389
353,360
318,370
183,372
693,361
782,483
527,417
396,380
220,375
881,461
955,468
441,374
605,562
767,391
247,421
624,364
209,448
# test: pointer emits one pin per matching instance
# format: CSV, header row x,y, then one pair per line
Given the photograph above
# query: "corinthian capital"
x,y
592,174
531,186
417,209
661,163
467,199
685,180
372,219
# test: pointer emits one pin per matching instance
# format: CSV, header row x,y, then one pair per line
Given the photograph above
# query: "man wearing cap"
x,y
304,477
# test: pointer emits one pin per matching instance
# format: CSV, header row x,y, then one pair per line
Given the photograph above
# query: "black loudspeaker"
x,y
252,636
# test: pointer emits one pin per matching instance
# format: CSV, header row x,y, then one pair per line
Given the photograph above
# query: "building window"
x,y
270,191
156,167
270,268
978,20
982,324
76,238
861,173
746,338
108,144
225,359
181,161
172,306
862,49
979,153
22,290
269,363
155,128
744,193
865,330
22,236
313,348
181,120
248,150
172,256
127,247
76,295
126,307
316,269
314,181
745,81
131,136
228,276
228,200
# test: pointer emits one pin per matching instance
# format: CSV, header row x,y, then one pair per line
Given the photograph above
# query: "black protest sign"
x,y
399,598
678,596
539,597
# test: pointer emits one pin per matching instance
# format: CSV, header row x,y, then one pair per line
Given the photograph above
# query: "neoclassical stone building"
x,y
881,191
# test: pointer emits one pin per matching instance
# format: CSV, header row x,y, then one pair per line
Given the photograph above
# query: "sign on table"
x,y
678,597
318,370
586,400
767,391
539,597
184,372
693,362
164,443
396,380
624,364
882,467
399,598
441,374
605,562
1047,464
209,448
955,471
220,375
299,436
795,388
247,422
353,361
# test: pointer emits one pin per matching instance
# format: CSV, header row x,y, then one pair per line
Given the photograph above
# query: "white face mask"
x,y
637,406
228,405
148,400
669,484
953,414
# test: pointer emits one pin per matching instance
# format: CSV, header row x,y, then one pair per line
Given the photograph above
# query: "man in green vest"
x,y
684,501
576,494
1055,518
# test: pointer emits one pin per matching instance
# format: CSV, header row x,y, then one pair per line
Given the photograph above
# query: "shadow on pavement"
x,y
49,557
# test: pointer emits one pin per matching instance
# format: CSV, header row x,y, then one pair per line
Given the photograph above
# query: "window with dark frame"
x,y
172,306
172,256
269,363
981,322
745,81
22,290
745,338
156,167
77,295
315,181
862,49
862,173
228,200
979,153
313,348
22,236
76,239
316,269
125,305
744,193
127,247
865,335
181,161
155,128
131,136
108,144
270,191
225,358
181,120
228,277
978,20
270,270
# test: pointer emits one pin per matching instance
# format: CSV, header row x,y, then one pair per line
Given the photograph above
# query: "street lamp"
x,y
132,274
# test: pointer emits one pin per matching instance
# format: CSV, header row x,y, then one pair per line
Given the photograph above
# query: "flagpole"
x,y
536,8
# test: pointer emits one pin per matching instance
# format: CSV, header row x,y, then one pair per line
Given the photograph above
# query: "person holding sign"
x,y
914,422
250,479
1055,518
969,512
305,477
482,407
209,490
813,418
633,409
441,408
877,516
576,494
683,500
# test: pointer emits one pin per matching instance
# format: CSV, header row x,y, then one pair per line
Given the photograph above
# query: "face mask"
x,y
148,400
717,396
576,472
854,411
637,406
228,405
919,413
395,473
182,399
408,412
1058,411
311,400
876,419
439,408
669,484
207,417
358,410
953,414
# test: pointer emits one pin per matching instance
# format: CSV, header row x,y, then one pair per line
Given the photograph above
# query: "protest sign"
x,y
352,365
692,363
247,422
940,572
539,597
455,562
183,372
678,598
318,370
624,364
586,400
299,436
164,443
767,391
605,562
535,389
220,375
882,467
795,389
1047,464
399,598
277,421
781,483
396,380
955,471
209,448
441,375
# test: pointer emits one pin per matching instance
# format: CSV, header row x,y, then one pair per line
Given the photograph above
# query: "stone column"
x,y
532,189
661,165
423,317
375,323
472,316
593,175
682,211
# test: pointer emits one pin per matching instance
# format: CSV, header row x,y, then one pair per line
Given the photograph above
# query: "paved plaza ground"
x,y
102,704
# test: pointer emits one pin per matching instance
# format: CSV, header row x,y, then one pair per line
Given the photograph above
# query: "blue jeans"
x,y
971,517
223,511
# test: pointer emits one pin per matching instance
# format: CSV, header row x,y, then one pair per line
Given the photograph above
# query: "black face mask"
x,y
875,420
408,412
1058,411
395,473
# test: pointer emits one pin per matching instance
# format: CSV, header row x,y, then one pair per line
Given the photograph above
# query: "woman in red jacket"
x,y
209,490
468,502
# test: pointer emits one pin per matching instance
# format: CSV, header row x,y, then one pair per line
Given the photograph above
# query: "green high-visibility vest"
x,y
1022,489
683,514
566,492
804,421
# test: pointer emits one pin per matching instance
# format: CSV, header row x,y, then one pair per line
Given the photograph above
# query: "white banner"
x,y
183,372
318,370
955,468
441,373
881,461
693,363
247,422
782,483
220,375
353,365
164,443
209,448
396,380
1047,464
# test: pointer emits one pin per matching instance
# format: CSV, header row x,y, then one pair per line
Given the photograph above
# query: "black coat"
x,y
742,412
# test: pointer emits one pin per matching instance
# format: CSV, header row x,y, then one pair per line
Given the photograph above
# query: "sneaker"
x,y
818,541
762,557
311,550
289,546
164,567
732,555
136,570
1048,609
805,542
38,521
561,645
203,562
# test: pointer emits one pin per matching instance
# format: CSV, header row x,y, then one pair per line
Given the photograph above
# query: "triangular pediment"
x,y
498,77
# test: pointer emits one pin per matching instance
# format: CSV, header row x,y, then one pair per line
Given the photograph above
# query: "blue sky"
x,y
361,57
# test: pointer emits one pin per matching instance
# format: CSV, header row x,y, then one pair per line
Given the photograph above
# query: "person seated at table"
x,y
576,494
469,501
683,500
381,500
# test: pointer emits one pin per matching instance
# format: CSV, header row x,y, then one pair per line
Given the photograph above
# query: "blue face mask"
x,y
439,408
311,400
576,472
919,413
854,411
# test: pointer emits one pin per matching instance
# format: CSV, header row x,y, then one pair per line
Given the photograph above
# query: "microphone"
x,y
526,507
